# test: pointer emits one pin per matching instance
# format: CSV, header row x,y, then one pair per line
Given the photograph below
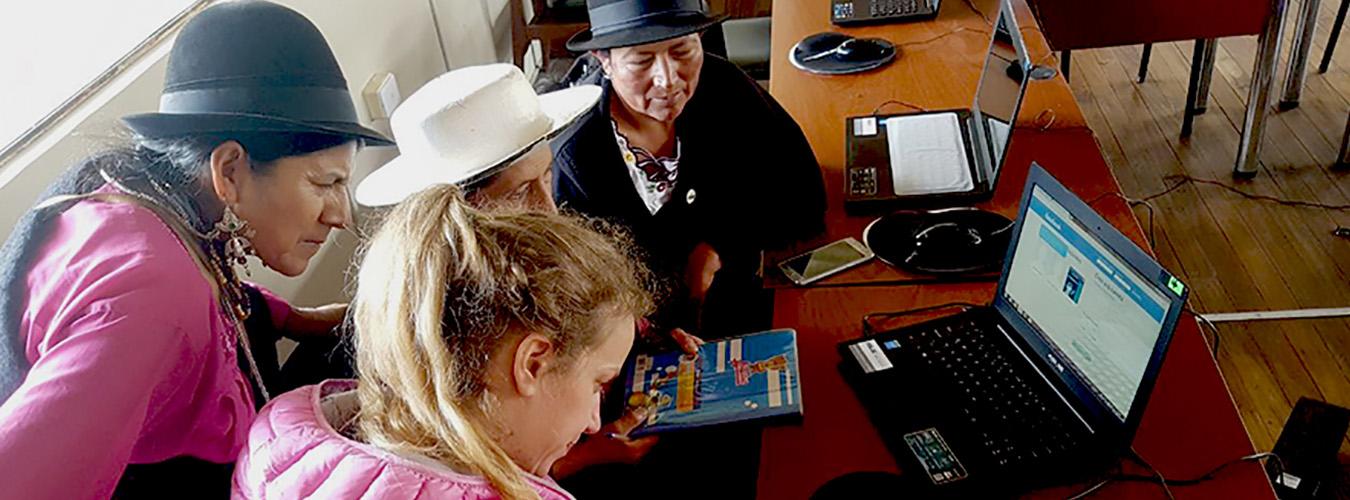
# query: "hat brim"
x,y
161,125
654,30
403,176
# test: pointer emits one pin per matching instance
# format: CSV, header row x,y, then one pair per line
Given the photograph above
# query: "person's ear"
x,y
606,63
534,355
229,168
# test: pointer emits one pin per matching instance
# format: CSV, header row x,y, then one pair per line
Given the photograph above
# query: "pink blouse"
x,y
133,359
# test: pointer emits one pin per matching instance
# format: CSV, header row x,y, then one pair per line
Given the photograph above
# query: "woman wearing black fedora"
x,y
126,367
687,151
706,170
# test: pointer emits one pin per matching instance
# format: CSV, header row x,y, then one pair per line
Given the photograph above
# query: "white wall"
x,y
368,36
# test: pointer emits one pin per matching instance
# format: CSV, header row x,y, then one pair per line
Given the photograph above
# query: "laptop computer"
x,y
1046,384
940,157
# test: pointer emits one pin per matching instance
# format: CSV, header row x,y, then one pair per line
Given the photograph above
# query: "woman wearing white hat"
x,y
482,128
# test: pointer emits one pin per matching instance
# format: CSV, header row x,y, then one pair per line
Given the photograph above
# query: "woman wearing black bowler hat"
x,y
686,150
125,365
707,170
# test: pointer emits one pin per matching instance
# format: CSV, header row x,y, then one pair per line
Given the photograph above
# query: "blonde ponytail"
x,y
441,285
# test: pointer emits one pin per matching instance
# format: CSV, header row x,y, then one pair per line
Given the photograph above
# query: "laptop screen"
x,y
1101,317
1003,83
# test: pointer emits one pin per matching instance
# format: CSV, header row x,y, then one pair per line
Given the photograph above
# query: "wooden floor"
x,y
1239,254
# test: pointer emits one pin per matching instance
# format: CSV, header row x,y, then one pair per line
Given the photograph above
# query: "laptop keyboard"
x,y
998,395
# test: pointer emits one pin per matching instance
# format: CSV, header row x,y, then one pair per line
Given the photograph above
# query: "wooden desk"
x,y
1191,424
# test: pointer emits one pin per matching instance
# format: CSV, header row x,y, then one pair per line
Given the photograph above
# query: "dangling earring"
x,y
235,234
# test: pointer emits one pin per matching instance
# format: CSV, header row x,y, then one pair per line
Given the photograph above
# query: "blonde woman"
x,y
484,343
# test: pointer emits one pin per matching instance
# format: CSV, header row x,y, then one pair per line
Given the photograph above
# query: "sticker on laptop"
x,y
939,462
865,127
870,357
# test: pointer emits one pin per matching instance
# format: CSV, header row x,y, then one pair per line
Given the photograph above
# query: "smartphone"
x,y
825,261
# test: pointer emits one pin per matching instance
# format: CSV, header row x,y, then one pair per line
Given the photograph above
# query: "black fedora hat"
x,y
253,66
624,23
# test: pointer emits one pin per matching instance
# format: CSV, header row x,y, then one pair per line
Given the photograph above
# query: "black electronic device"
x,y
1047,384
1307,449
846,12
939,157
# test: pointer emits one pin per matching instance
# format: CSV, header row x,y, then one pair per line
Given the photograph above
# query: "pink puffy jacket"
x,y
293,451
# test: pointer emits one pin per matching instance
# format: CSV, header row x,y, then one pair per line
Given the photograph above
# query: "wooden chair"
x,y
1335,35
552,26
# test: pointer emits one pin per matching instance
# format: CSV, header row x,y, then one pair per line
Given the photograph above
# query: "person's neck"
x,y
642,130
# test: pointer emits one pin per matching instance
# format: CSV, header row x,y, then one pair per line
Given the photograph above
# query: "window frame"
x,y
101,82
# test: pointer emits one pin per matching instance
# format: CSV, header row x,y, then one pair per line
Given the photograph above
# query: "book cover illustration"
x,y
749,377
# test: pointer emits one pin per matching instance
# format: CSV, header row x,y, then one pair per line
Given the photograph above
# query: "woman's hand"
x,y
688,343
609,446
308,322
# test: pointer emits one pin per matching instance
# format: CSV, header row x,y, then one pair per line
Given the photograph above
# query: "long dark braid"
x,y
171,171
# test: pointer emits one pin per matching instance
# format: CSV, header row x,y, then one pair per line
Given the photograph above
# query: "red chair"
x,y
1076,24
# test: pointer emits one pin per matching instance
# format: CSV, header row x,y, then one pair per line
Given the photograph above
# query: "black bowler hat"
x,y
625,23
253,66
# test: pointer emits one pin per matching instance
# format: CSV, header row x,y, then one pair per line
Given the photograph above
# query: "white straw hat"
x,y
467,125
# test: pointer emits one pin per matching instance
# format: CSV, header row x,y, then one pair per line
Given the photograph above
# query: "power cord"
x,y
954,31
1183,179
898,103
1152,239
981,13
868,331
926,280
1162,481
1213,330
1166,484
1050,122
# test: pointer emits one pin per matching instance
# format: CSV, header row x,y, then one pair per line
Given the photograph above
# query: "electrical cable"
x,y
1152,236
1186,179
1207,476
1156,477
1092,489
981,13
1162,481
900,103
926,280
958,29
